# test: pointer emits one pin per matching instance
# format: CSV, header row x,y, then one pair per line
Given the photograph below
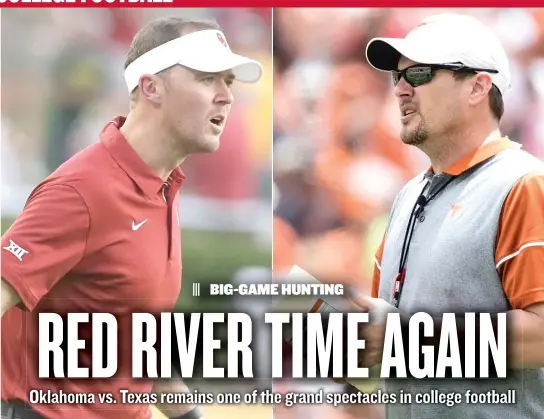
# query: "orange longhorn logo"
x,y
454,209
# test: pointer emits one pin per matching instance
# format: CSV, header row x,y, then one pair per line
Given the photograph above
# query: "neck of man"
x,y
152,143
451,148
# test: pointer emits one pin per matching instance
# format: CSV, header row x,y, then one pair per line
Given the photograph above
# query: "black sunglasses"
x,y
419,74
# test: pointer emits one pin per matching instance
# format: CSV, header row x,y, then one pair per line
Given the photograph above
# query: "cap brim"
x,y
384,53
245,69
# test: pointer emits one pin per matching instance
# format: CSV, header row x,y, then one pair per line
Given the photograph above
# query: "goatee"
x,y
417,136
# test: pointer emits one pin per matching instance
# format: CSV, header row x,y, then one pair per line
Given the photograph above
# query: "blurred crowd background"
x,y
338,158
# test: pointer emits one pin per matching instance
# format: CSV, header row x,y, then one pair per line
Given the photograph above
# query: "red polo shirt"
x,y
99,236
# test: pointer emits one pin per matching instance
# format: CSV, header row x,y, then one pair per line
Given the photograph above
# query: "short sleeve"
x,y
45,242
519,255
284,246
377,270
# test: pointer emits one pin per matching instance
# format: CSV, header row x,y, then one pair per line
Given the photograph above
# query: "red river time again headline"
x,y
310,335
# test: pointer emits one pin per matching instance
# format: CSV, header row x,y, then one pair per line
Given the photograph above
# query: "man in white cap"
x,y
101,234
468,234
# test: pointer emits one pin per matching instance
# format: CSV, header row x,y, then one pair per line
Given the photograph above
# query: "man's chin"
x,y
407,139
208,145
414,136
407,135
413,140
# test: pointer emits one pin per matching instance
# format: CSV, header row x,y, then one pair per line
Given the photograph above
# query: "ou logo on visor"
x,y
222,40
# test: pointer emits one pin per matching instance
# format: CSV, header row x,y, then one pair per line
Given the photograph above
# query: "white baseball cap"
x,y
445,38
205,50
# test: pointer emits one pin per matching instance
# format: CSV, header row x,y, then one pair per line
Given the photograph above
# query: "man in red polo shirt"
x,y
101,234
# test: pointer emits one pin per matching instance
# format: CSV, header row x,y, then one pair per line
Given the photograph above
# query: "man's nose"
x,y
403,88
224,95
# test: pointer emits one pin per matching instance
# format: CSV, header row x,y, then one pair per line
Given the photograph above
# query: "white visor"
x,y
205,51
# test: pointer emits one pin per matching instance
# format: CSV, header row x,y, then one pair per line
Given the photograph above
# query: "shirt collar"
x,y
132,164
485,151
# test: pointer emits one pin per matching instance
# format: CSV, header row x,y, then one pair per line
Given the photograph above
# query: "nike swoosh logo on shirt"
x,y
137,226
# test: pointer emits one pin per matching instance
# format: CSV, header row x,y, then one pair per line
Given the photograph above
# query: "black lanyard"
x,y
420,204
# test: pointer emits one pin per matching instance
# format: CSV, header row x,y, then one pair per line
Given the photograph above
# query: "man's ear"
x,y
481,85
152,88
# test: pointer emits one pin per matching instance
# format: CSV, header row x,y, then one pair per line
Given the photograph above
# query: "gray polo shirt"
x,y
469,253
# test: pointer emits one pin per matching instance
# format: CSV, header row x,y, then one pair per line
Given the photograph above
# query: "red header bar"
x,y
270,3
